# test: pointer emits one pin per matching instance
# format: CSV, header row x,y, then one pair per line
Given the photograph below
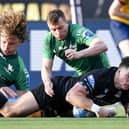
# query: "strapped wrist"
x,y
95,108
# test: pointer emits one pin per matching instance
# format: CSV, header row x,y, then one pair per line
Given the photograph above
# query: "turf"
x,y
64,123
118,122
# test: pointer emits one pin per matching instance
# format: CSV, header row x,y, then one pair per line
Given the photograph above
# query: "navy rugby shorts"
x,y
119,30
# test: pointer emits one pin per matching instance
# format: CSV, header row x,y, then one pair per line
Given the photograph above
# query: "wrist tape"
x,y
95,108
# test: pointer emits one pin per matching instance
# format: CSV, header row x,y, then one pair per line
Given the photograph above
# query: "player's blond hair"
x,y
13,23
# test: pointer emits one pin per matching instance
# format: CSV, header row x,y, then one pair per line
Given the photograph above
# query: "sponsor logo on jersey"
x,y
9,68
87,34
62,48
91,80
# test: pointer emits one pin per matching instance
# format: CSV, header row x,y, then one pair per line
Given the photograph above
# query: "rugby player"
x,y
119,24
12,68
91,91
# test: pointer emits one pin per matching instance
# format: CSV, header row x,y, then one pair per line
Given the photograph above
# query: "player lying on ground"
x,y
90,92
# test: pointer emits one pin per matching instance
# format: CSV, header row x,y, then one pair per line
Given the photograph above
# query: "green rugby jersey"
x,y
13,72
78,38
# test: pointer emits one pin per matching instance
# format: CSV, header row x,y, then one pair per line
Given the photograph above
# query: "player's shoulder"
x,y
21,64
76,27
82,32
48,35
105,74
20,59
78,30
102,72
105,71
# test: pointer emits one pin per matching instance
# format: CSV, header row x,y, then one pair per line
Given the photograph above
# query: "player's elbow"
x,y
103,46
111,12
106,48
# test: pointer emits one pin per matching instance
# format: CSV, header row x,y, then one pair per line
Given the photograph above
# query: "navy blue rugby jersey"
x,y
99,85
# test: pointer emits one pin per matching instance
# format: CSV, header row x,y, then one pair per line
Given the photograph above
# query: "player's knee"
x,y
10,113
5,111
9,110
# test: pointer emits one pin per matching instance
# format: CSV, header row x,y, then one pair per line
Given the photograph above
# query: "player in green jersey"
x,y
91,91
76,45
12,68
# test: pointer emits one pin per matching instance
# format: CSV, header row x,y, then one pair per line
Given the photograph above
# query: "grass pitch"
x,y
118,122
64,123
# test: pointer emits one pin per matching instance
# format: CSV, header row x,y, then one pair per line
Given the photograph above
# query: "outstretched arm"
x,y
46,72
77,96
96,47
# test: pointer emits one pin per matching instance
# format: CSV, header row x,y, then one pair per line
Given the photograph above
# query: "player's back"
x,y
62,84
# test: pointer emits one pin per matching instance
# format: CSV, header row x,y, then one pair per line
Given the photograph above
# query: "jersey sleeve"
x,y
23,78
47,51
88,81
84,35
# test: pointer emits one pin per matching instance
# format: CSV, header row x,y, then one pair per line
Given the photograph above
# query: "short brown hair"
x,y
54,15
125,62
13,23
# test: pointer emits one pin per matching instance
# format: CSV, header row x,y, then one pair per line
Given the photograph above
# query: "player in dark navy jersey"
x,y
100,88
91,91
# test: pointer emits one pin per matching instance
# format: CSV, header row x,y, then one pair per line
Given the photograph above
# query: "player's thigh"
x,y
26,104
